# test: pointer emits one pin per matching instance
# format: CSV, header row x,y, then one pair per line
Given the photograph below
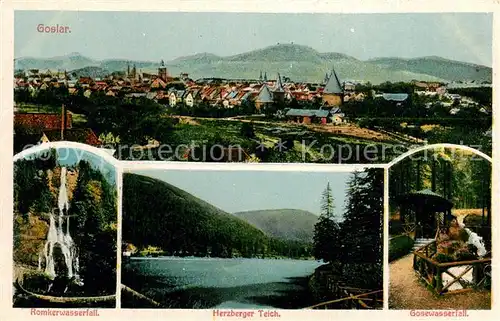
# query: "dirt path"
x,y
407,293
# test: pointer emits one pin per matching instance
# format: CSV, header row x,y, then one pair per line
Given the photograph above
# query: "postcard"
x,y
249,161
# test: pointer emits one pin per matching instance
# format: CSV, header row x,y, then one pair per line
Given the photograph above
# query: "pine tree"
x,y
362,228
327,205
326,245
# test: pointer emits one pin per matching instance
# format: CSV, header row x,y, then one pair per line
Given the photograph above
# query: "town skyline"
x,y
465,37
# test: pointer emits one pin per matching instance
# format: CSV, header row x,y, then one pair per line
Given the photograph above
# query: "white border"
x,y
262,6
436,146
67,144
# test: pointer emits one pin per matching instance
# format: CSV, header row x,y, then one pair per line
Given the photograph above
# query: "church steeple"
x,y
333,85
260,76
333,93
278,91
134,71
279,86
265,76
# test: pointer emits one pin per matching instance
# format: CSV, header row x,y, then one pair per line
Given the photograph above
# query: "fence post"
x,y
439,280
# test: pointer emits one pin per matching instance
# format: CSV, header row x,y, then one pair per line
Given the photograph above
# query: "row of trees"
x,y
352,245
463,177
134,120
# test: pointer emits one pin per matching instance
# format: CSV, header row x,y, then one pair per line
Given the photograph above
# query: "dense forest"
x,y
352,245
92,211
458,175
182,225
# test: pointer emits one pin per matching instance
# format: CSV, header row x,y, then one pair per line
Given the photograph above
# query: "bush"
x,y
363,275
400,246
247,130
442,258
473,220
466,254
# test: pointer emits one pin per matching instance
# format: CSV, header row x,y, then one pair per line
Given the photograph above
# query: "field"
x,y
312,142
260,139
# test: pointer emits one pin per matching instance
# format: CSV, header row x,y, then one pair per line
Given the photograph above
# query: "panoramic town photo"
x,y
252,239
440,227
65,230
247,87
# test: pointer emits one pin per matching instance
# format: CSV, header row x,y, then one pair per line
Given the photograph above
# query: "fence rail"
x,y
432,271
367,300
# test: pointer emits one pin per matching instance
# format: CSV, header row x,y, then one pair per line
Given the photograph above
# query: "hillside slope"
x,y
160,214
299,63
438,67
288,224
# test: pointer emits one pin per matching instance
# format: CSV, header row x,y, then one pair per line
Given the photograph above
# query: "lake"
x,y
192,283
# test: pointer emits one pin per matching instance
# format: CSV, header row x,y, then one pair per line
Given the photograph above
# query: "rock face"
x,y
457,233
29,238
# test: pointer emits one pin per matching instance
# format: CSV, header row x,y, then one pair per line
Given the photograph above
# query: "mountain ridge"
x,y
286,223
298,62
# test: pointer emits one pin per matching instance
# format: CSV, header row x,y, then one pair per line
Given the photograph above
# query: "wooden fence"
x,y
432,271
354,299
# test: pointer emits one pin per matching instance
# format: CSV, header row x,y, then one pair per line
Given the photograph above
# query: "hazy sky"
x,y
234,191
155,36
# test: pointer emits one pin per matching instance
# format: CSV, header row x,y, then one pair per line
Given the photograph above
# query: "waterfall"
x,y
57,236
475,240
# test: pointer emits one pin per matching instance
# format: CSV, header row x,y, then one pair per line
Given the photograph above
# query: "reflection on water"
x,y
222,283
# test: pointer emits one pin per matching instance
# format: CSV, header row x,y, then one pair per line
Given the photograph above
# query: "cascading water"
x,y
58,237
475,240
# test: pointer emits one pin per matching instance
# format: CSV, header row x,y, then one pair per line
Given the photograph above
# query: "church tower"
x,y
279,92
162,71
333,93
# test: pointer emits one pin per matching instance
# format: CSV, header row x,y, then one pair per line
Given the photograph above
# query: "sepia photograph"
x,y
65,230
440,231
216,239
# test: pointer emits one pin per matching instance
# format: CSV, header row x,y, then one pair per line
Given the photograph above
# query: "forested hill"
x,y
300,63
287,224
156,213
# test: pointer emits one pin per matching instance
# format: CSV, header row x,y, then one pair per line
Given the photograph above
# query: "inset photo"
x,y
440,231
238,87
65,230
252,239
